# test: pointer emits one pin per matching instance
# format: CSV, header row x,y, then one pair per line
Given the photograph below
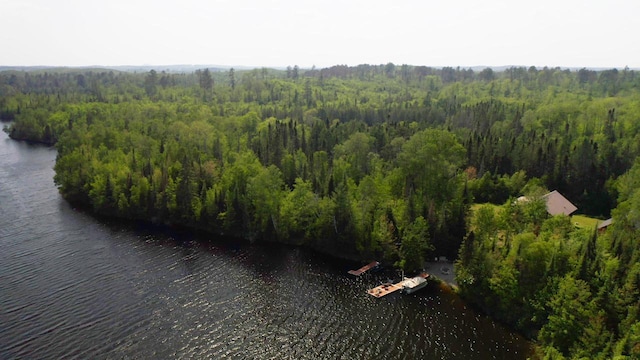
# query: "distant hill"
x,y
189,68
57,69
184,68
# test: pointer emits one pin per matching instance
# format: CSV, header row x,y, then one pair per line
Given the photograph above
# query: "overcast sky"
x,y
566,33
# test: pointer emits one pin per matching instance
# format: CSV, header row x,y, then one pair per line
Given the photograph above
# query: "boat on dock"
x,y
411,285
370,266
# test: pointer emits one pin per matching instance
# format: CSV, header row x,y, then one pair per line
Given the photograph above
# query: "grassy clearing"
x,y
475,207
584,221
581,221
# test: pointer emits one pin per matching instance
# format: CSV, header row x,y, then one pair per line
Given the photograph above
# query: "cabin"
x,y
603,225
558,204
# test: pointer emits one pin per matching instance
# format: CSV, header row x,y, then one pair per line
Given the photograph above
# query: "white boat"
x,y
411,285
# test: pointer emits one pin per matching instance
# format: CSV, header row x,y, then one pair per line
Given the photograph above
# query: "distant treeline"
x,y
375,161
574,130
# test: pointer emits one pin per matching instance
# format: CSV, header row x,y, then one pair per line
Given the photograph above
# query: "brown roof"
x,y
558,204
605,223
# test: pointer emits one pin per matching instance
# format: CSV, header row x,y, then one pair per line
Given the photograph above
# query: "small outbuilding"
x,y
603,225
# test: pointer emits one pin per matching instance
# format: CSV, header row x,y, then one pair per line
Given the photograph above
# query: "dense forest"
x,y
376,161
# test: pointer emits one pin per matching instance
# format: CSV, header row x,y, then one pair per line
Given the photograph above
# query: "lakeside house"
x,y
556,203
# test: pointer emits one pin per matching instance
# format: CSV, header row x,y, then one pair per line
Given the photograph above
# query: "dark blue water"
x,y
75,286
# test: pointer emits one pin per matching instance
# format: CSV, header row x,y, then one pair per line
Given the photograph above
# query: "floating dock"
x,y
364,269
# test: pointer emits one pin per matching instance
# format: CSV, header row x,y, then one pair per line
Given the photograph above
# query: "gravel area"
x,y
443,270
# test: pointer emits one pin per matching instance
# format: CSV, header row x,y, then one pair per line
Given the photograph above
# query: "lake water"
x,y
76,286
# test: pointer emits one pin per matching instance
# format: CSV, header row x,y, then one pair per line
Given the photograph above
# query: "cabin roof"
x,y
558,204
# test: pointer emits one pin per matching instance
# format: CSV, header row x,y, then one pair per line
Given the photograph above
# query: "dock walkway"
x,y
364,269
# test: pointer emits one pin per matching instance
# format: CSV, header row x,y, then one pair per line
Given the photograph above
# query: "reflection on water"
x,y
72,285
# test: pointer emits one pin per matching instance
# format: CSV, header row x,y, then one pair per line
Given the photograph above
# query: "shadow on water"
x,y
291,286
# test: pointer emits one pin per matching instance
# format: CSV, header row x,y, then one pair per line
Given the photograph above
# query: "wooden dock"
x,y
385,289
364,269
388,288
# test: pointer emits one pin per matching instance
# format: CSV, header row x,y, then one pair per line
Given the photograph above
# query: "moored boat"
x,y
411,285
